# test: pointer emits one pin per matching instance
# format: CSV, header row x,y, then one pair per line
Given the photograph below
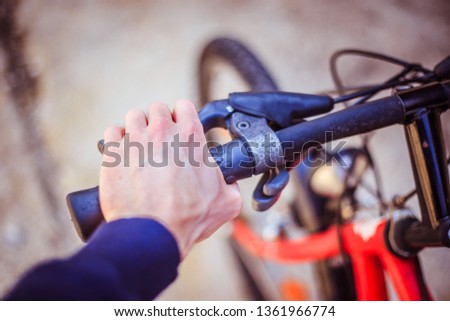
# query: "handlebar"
x,y
235,161
352,121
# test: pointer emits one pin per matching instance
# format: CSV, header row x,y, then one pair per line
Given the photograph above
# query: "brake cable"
x,y
366,93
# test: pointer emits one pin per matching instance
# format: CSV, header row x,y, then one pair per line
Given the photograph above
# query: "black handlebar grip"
x,y
85,211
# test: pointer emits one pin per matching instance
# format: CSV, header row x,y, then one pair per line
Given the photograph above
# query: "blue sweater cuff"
x,y
143,252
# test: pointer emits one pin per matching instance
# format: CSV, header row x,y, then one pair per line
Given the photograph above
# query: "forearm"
x,y
129,259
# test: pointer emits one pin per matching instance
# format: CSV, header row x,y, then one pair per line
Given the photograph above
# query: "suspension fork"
x,y
423,130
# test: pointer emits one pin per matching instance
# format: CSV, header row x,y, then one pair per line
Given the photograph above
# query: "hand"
x,y
191,201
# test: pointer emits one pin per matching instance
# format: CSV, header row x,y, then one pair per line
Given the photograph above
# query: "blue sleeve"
x,y
128,259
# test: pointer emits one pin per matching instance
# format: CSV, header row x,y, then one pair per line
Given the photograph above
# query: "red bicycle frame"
x,y
362,240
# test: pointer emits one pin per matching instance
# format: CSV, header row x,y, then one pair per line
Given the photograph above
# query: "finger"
x,y
113,134
135,120
184,111
234,186
159,110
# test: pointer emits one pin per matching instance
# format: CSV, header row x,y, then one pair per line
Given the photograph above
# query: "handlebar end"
x,y
85,211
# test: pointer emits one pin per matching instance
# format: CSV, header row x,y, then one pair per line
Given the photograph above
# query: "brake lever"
x,y
277,181
269,189
215,114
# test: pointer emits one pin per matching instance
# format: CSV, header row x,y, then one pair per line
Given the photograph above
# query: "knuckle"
x,y
157,108
134,112
111,130
186,103
157,104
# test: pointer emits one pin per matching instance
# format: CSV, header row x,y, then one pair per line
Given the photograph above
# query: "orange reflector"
x,y
293,290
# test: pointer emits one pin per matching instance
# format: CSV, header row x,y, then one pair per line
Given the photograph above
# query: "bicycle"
x,y
270,136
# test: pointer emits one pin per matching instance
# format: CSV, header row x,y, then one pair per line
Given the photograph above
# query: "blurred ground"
x,y
96,59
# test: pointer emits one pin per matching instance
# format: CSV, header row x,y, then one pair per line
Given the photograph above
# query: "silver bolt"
x,y
243,125
229,109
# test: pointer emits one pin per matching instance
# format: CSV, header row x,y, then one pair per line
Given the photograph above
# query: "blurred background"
x,y
71,68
